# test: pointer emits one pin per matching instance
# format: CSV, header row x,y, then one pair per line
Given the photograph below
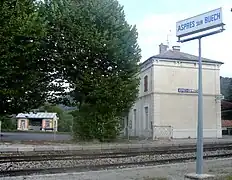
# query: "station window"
x,y
146,83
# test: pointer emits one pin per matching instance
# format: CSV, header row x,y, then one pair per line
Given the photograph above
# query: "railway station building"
x,y
167,106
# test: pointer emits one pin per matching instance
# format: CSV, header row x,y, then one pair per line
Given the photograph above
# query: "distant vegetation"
x,y
226,87
8,123
226,90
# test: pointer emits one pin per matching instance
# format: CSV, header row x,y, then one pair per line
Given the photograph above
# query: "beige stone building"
x,y
167,103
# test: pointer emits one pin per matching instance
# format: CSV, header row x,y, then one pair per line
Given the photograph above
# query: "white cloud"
x,y
153,30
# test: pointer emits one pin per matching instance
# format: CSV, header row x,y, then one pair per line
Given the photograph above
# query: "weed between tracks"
x,y
224,178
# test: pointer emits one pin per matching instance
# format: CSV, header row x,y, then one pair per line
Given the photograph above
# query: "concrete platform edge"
x,y
30,148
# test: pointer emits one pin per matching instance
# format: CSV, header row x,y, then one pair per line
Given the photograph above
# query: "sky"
x,y
156,22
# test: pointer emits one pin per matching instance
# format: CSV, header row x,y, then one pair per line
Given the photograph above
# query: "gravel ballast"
x,y
171,172
64,163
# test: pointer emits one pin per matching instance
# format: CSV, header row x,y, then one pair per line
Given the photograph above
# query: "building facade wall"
x,y
179,110
140,123
181,115
169,76
171,113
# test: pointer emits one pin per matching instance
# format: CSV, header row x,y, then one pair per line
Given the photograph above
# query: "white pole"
x,y
199,164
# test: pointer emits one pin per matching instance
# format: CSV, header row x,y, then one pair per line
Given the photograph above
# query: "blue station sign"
x,y
199,23
184,90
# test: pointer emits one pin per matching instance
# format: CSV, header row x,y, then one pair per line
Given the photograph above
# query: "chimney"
x,y
176,48
163,48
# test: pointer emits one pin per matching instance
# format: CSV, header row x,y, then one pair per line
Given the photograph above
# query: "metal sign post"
x,y
197,24
199,164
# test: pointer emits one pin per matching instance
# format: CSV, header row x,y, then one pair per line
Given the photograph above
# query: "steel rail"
x,y
113,150
10,159
103,166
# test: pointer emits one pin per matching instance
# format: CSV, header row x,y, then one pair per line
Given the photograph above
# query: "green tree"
x,y
96,51
8,123
25,76
227,110
226,87
229,90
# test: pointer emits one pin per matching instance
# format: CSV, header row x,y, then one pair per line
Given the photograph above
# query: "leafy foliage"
x,y
8,123
229,95
97,53
226,90
89,124
86,43
25,76
226,87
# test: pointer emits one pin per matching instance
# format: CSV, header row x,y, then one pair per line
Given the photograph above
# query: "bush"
x,y
8,123
90,124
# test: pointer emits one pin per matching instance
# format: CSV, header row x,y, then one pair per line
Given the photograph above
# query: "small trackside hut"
x,y
40,121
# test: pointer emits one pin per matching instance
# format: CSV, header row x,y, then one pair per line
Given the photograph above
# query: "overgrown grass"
x,y
229,178
224,177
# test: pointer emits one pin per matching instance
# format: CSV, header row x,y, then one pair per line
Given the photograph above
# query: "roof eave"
x,y
175,59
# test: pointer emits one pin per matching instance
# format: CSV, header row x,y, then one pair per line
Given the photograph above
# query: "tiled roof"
x,y
226,123
39,115
177,55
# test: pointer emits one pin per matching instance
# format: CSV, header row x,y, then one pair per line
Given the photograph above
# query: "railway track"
x,y
56,155
87,156
77,162
25,172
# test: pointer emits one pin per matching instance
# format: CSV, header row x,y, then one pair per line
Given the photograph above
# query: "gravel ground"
x,y
170,172
74,162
